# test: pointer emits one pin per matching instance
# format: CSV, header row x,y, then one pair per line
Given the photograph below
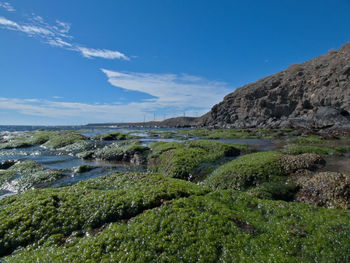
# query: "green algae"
x,y
35,215
62,139
112,136
49,139
223,226
26,175
219,134
182,160
310,139
128,152
247,171
300,149
275,191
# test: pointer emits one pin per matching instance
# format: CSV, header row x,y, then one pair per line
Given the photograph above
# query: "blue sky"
x,y
75,62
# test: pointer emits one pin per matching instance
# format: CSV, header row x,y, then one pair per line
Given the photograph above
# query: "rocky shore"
x,y
199,199
310,95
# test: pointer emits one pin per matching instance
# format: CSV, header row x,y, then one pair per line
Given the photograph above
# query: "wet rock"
x,y
83,168
7,164
329,189
308,161
136,154
79,146
26,175
86,155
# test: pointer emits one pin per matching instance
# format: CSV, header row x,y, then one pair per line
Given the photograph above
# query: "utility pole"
x,y
144,118
154,116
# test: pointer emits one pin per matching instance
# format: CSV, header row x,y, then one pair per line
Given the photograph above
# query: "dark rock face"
x,y
314,94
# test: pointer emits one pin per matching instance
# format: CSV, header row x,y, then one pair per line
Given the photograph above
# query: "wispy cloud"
x,y
174,94
101,53
56,35
68,111
7,6
171,90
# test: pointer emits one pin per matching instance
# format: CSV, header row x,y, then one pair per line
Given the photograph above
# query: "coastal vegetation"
x,y
201,199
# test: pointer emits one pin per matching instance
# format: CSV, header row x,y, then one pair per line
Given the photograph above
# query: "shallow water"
x,y
66,162
338,164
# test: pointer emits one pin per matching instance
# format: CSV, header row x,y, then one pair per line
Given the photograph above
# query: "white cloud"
x,y
7,6
58,36
63,26
75,110
171,90
174,94
58,42
6,22
101,53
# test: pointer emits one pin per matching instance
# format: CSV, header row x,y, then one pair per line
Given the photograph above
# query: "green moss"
x,y
112,136
26,167
26,175
299,149
271,133
35,215
40,137
247,171
182,160
123,153
310,139
219,134
16,143
28,139
343,149
275,191
6,176
224,226
62,139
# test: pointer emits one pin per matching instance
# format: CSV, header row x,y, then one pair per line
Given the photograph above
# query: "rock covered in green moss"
x,y
275,191
300,149
329,189
182,160
247,171
80,146
113,136
133,153
224,226
15,140
26,175
63,138
308,139
49,139
35,215
219,134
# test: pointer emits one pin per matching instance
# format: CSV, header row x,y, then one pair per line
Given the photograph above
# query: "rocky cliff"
x,y
314,94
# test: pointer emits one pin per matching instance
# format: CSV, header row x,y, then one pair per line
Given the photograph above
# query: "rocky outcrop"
x,y
329,189
314,94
